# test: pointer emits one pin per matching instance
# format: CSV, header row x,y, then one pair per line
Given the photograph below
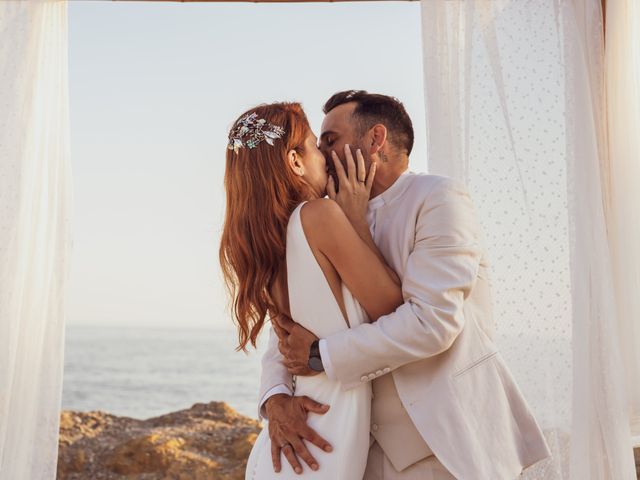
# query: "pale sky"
x,y
154,89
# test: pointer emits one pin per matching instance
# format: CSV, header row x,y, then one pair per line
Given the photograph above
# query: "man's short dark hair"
x,y
373,108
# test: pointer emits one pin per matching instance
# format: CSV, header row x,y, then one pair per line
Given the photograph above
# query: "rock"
x,y
205,442
209,441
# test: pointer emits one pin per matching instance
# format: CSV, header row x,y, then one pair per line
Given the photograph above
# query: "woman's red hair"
x,y
261,192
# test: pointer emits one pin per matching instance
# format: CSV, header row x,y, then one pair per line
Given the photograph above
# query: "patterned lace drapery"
x,y
514,108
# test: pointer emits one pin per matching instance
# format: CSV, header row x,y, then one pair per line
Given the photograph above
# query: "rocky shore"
x,y
209,441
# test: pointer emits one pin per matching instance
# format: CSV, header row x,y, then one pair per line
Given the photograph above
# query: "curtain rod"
x,y
262,1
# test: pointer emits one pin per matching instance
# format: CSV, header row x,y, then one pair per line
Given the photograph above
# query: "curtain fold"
x,y
35,241
620,179
601,435
516,108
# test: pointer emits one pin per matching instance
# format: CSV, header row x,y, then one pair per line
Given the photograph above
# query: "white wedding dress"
x,y
346,424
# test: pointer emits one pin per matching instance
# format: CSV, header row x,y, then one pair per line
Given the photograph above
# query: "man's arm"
x,y
440,273
274,377
277,390
287,414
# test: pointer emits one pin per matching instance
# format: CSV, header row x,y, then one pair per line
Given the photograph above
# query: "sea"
x,y
144,372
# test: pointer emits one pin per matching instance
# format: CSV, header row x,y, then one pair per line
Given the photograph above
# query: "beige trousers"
x,y
380,468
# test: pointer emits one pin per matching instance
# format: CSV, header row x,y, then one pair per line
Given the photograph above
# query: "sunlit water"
x,y
144,372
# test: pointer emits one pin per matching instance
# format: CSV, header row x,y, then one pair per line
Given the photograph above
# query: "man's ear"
x,y
293,160
378,137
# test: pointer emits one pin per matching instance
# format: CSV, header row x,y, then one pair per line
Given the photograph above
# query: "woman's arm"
x,y
354,195
362,228
367,276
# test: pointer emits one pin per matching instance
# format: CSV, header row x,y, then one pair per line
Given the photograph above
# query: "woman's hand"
x,y
353,198
355,188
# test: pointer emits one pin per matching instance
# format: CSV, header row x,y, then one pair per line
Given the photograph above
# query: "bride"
x,y
286,250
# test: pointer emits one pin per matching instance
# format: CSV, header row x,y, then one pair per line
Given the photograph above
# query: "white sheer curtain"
x,y
516,108
621,174
35,202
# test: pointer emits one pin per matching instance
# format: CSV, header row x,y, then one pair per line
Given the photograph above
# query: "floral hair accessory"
x,y
249,131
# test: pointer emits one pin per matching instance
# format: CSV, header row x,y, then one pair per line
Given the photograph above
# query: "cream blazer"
x,y
437,345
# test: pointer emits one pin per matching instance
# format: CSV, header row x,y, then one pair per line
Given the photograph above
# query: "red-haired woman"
x,y
288,250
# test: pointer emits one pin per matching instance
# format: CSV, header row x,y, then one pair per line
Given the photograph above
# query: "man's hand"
x,y
288,428
295,346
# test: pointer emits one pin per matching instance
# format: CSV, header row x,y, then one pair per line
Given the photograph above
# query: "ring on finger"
x,y
284,445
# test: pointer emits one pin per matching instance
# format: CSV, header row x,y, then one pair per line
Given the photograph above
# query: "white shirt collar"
x,y
377,201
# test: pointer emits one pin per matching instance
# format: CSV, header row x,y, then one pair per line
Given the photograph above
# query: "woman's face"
x,y
315,166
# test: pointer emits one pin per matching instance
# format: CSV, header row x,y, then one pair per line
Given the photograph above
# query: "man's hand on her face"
x,y
295,346
288,429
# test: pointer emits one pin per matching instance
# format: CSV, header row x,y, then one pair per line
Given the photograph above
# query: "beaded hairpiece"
x,y
249,131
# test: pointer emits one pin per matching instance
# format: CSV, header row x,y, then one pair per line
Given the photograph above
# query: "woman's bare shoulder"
x,y
322,218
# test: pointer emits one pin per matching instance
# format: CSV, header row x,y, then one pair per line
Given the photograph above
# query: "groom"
x,y
444,403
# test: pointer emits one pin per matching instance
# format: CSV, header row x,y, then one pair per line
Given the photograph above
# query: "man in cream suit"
x,y
444,402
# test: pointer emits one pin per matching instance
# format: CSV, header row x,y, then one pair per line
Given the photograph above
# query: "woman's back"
x,y
309,287
346,424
